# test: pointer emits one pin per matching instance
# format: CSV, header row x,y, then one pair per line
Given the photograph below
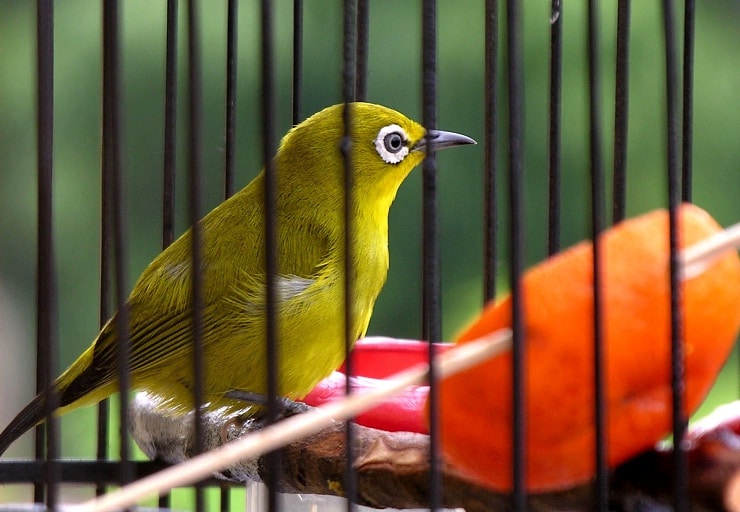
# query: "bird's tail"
x,y
79,385
31,415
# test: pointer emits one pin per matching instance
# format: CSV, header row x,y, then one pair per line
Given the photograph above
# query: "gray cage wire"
x,y
140,117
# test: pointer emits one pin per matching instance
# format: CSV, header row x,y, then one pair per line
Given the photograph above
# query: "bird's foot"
x,y
256,416
285,406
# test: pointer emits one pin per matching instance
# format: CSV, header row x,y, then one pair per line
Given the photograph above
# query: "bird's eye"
x,y
392,144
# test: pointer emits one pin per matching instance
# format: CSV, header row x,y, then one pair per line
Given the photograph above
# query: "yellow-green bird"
x,y
310,285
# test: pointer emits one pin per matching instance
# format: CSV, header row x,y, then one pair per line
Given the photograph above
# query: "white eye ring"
x,y
392,144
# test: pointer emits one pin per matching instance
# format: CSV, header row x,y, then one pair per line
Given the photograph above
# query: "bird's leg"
x,y
257,418
287,407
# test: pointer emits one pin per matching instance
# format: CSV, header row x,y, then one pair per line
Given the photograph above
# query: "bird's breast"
x,y
370,266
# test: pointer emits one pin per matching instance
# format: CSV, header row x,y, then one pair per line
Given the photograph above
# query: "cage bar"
x,y
297,61
673,168
363,49
515,93
490,148
47,437
431,304
687,125
621,112
431,278
349,89
555,117
113,169
194,129
169,168
268,111
170,127
601,502
230,146
231,67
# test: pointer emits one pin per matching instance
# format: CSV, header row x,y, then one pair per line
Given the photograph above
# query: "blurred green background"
x,y
394,80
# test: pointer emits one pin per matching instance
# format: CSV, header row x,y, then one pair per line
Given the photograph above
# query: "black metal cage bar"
x,y
349,91
687,104
363,49
231,67
297,60
673,167
431,275
194,137
268,113
555,118
490,145
170,127
169,172
113,171
601,502
230,141
517,229
621,112
46,306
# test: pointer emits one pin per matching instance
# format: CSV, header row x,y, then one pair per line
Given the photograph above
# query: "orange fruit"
x,y
476,405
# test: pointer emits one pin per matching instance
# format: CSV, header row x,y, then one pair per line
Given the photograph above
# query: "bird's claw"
x,y
285,406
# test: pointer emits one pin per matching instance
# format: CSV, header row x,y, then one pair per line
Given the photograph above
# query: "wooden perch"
x,y
393,467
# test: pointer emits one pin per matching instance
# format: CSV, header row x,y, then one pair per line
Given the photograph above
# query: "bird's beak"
x,y
437,139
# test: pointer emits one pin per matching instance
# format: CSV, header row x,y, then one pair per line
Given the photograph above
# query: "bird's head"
x,y
386,146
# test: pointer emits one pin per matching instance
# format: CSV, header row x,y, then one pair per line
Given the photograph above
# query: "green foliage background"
x,y
394,80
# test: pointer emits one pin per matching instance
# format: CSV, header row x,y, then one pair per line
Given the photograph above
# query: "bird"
x,y
309,283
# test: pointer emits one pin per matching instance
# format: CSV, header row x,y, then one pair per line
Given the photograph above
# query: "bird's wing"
x,y
160,306
174,328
